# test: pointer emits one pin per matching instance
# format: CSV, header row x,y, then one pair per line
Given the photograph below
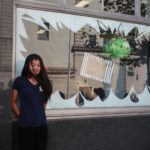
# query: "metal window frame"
x,y
82,112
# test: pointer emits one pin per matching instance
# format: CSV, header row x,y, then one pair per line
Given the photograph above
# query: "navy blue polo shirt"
x,y
32,112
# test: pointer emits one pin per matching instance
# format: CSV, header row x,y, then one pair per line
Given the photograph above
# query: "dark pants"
x,y
34,138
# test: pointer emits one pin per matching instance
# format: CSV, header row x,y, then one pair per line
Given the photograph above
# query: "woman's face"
x,y
35,67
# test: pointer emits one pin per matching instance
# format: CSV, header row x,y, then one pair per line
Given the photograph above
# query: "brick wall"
x,y
6,30
6,18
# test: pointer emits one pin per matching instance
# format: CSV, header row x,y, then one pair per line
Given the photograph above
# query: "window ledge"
x,y
55,114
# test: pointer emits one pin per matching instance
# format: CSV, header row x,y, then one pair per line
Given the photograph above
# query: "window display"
x,y
102,63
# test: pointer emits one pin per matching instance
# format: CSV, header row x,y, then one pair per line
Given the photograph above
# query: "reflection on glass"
x,y
134,97
109,59
5,79
86,4
145,8
120,6
43,34
5,66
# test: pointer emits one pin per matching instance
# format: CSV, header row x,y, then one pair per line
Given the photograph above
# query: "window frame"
x,y
82,112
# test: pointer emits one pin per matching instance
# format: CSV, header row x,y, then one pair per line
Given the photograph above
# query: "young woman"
x,y
33,89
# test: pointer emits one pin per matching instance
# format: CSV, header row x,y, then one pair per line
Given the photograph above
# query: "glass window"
x,y
43,34
120,6
92,62
86,4
145,8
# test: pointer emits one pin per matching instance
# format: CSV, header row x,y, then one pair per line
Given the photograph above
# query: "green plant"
x,y
117,47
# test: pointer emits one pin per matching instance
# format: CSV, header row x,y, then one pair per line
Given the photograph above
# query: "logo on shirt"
x,y
40,89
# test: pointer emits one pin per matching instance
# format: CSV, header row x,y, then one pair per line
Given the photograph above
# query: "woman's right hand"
x,y
14,99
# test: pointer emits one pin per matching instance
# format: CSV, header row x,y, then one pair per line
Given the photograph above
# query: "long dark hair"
x,y
42,77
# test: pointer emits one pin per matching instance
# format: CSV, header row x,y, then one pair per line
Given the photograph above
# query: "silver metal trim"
x,y
14,43
69,71
96,112
137,8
